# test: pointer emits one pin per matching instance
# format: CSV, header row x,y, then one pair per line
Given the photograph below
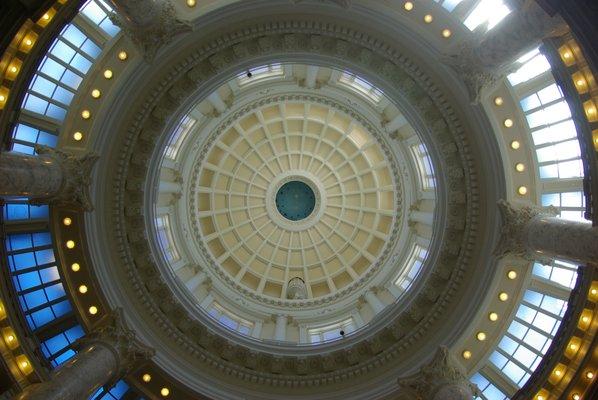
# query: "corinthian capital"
x,y
113,333
76,178
442,379
516,219
149,24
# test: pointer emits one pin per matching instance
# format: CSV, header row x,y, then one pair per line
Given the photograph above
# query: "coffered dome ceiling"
x,y
300,206
246,217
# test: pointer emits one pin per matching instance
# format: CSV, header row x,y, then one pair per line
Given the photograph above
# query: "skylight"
x,y
489,12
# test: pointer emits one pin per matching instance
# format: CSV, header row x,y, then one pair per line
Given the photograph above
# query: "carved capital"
x,y
443,378
76,178
114,334
513,235
149,24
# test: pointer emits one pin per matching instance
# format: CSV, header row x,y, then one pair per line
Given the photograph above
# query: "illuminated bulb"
x,y
493,316
85,114
515,145
96,94
481,336
573,346
567,55
558,372
67,221
594,292
580,82
522,190
75,267
585,319
428,18
70,244
2,98
408,6
93,310
508,122
589,375
13,69
164,392
46,17
498,101
108,74
82,289
540,397
28,42
512,274
122,55
575,396
77,136
191,3
503,296
466,354
24,364
446,33
146,378
520,167
591,110
10,338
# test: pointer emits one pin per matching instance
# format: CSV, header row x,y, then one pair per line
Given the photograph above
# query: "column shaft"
x,y
536,234
22,175
53,177
557,238
79,377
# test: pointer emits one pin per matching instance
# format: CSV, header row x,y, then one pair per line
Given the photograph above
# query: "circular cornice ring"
x,y
449,149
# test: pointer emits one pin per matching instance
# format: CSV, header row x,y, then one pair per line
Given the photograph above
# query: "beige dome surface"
x,y
344,165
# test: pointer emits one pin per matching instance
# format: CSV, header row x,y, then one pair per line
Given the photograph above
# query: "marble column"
x,y
104,356
53,177
441,379
280,330
482,63
149,24
537,234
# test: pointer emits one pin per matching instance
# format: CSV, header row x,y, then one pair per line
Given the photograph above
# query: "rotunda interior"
x,y
298,199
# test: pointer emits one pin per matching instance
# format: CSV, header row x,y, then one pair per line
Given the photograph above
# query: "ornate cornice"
x,y
324,40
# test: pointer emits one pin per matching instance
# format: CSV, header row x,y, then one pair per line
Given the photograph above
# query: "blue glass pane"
x,y
21,148
63,357
73,35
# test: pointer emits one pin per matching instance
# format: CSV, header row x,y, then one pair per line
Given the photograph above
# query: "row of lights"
x,y
515,144
97,93
12,342
93,310
76,267
572,348
428,19
581,80
27,38
164,392
492,316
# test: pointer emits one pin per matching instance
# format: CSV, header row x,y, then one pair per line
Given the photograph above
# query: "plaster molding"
x,y
271,40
